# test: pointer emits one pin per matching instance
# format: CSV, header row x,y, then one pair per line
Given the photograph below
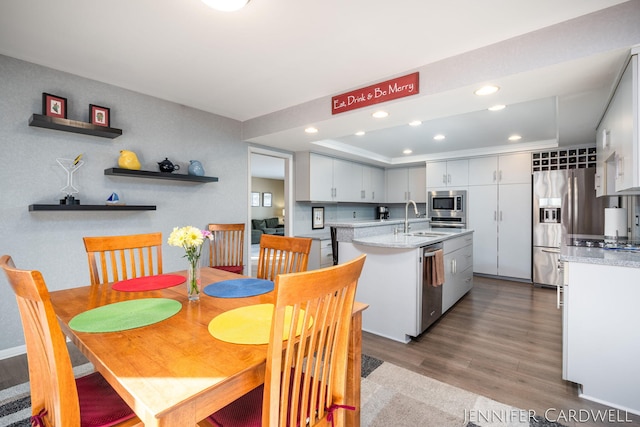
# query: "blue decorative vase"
x,y
195,168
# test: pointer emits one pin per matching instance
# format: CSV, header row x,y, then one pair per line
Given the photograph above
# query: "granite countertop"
x,y
373,222
404,241
613,257
316,236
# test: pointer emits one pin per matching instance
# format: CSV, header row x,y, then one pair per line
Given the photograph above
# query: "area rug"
x,y
391,396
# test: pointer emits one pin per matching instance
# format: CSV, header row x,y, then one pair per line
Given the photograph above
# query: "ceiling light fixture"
x,y
439,137
360,133
226,5
487,90
407,151
380,114
515,138
311,129
415,123
497,107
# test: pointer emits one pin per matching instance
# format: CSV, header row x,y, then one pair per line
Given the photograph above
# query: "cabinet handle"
x,y
448,178
444,178
362,194
500,175
500,215
559,299
495,215
494,176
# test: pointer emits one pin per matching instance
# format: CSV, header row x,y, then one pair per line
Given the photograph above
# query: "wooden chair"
x,y
226,250
279,255
123,257
305,378
57,398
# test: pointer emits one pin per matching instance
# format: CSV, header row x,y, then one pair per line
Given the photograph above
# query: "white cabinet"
x,y
327,179
618,163
320,254
447,174
500,216
405,184
503,169
373,190
458,270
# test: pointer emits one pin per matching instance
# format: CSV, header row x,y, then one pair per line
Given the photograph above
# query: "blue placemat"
x,y
238,288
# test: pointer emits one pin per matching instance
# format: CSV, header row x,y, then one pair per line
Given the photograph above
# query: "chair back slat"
x,y
307,375
114,258
281,255
226,249
51,379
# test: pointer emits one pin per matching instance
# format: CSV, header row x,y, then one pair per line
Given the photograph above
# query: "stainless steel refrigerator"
x,y
564,202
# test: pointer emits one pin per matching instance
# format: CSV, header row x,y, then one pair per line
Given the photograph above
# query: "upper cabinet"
x,y
447,174
503,169
326,179
404,184
617,169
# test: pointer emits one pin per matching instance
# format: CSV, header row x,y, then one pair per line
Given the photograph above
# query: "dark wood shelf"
x,y
41,121
33,208
159,175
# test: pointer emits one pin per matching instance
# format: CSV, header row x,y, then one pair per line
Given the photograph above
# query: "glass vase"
x,y
193,280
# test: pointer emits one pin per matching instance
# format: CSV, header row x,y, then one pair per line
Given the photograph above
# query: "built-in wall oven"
x,y
448,209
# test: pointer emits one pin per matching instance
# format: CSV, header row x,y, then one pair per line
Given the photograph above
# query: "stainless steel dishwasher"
x,y
431,296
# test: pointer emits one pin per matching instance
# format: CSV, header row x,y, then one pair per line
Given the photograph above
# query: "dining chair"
x,y
226,249
57,398
114,258
305,377
280,254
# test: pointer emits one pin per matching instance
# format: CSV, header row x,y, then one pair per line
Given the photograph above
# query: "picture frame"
x,y
255,199
99,116
317,218
266,200
54,105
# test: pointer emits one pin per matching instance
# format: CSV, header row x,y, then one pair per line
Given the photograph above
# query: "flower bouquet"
x,y
191,239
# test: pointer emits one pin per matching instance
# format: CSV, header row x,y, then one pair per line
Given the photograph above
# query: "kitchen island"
x,y
601,335
392,279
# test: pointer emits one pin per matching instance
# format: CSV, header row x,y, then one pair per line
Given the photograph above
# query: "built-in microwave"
x,y
448,208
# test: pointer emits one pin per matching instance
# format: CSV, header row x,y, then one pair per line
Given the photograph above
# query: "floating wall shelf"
x,y
33,208
74,126
159,175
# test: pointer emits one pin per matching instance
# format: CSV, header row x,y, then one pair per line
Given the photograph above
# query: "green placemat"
x,y
125,315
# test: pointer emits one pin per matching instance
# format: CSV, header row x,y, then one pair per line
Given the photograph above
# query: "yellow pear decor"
x,y
128,160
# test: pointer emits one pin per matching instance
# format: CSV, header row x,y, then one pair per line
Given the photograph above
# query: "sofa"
x,y
265,226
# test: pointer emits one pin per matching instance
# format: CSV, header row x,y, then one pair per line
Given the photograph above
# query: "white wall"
x,y
52,241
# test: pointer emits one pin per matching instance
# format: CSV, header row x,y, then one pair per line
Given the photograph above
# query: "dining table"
x,y
174,372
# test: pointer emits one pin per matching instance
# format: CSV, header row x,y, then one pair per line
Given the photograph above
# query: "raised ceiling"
x,y
275,65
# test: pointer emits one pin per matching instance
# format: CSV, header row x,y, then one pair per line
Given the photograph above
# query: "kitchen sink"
x,y
426,234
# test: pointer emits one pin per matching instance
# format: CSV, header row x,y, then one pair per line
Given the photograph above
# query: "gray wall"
x,y
52,241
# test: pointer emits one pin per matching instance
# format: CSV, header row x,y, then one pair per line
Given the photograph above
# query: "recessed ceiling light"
x,y
407,151
497,107
380,114
360,133
515,138
311,129
415,123
487,90
226,5
439,137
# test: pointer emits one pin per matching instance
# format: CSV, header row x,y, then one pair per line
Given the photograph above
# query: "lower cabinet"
x,y
458,270
321,254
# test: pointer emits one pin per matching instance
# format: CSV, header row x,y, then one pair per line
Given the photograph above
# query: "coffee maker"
x,y
382,212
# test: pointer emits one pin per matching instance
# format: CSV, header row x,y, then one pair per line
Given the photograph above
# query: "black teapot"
x,y
167,166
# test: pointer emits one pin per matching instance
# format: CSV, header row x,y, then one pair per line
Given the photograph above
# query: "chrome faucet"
x,y
406,214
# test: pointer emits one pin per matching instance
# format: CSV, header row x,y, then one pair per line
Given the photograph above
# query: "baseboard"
x,y
13,352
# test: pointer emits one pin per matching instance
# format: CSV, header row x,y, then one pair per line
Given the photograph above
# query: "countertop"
x,y
407,241
613,257
373,222
316,236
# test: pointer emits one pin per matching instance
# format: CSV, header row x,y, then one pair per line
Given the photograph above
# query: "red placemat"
x,y
149,283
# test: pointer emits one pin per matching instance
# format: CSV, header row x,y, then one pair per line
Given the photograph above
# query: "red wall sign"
x,y
377,93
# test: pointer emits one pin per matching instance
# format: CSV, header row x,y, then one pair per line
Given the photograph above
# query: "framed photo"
x,y
266,200
317,218
255,199
100,116
54,106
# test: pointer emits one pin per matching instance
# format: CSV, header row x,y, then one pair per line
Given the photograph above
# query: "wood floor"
x,y
503,340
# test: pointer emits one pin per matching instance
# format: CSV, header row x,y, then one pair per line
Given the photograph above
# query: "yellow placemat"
x,y
249,325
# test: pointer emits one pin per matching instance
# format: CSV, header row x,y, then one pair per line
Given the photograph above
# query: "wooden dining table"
x,y
174,372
